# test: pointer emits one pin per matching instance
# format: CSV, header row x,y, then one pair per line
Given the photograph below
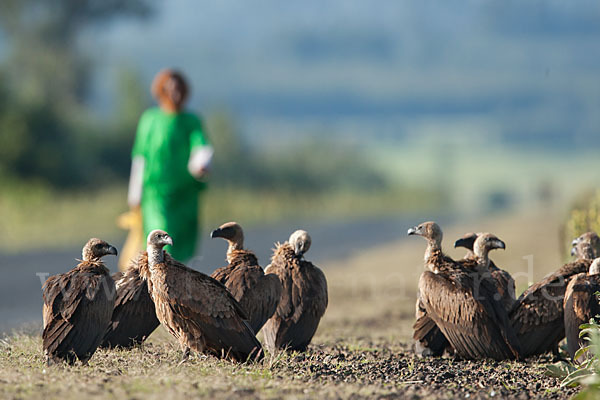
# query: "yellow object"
x,y
131,221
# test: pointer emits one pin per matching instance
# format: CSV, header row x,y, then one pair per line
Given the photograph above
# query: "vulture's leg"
x,y
186,355
556,354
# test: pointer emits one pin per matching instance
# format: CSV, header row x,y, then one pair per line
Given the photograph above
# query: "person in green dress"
x,y
170,160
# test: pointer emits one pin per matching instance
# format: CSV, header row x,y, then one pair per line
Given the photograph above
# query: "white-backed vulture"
x,y
196,309
504,281
303,298
134,317
460,300
590,238
429,339
78,305
580,305
258,293
537,316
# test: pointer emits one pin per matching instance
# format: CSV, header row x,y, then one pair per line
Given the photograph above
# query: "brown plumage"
x,y
257,293
537,316
196,309
134,317
429,339
77,306
303,298
590,241
505,284
581,304
460,300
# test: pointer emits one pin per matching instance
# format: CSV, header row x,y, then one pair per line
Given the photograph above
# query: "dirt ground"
x,y
362,348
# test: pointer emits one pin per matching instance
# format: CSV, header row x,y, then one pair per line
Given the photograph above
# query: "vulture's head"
x,y
586,246
429,230
96,248
232,232
595,267
486,242
300,241
157,239
467,241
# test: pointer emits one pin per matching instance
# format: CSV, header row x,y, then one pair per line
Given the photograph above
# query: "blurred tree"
x,y
45,85
112,149
584,216
307,166
230,150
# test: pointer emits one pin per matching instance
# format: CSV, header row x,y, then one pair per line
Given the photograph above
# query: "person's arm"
x,y
200,161
138,162
136,180
201,152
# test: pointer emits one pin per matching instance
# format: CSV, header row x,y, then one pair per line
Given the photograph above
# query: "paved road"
x,y
22,275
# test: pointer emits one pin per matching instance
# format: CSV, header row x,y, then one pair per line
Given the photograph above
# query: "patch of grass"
x,y
362,348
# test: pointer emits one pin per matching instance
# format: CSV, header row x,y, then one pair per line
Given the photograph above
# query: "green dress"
x,y
170,193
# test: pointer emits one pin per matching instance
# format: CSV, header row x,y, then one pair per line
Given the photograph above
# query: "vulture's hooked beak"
x,y
216,233
462,242
169,241
413,231
112,250
574,242
500,244
298,249
573,251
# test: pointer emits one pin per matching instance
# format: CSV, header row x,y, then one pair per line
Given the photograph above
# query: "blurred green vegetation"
x,y
307,166
48,132
584,216
587,373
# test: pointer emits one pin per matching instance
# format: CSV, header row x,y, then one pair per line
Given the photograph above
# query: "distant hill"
x,y
527,71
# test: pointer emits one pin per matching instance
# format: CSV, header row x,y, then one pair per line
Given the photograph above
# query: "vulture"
x,y
591,238
580,305
537,316
196,309
303,299
134,317
77,306
505,284
460,299
429,339
257,293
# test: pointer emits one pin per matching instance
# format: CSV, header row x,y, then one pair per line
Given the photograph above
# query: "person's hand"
x,y
201,174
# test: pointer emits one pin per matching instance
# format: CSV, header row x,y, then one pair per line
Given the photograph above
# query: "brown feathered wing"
x,y
134,316
474,324
580,305
537,316
257,293
201,313
429,338
77,309
303,301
